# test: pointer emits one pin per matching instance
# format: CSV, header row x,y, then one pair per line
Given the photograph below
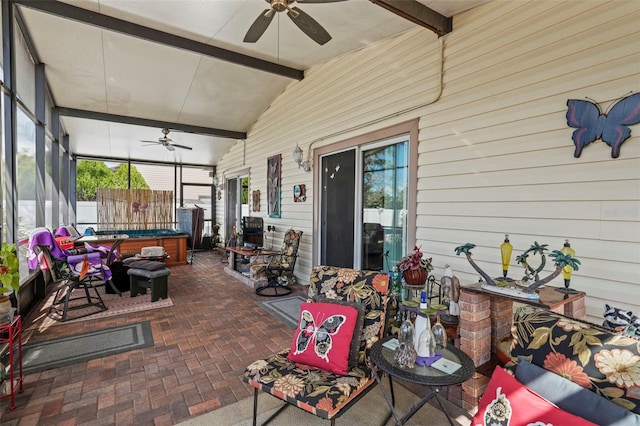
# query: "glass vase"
x,y
439,334
406,333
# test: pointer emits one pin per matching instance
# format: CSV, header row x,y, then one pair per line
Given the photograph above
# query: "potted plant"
x,y
9,276
414,267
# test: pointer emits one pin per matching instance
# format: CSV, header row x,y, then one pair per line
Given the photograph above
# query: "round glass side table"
x,y
383,358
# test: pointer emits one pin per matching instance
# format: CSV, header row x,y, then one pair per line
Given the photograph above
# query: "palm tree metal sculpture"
x,y
560,261
530,272
466,249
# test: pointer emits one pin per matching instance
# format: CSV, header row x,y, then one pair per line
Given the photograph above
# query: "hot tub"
x,y
174,242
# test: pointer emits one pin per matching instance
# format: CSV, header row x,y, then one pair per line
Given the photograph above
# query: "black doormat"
x,y
286,309
63,351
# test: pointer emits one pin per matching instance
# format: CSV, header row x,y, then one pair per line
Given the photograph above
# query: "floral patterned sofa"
x,y
320,392
581,368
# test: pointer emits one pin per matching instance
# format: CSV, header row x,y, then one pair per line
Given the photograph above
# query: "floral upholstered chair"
x,y
602,361
321,390
279,269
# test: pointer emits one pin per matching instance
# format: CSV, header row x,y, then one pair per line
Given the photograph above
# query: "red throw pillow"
x,y
323,336
507,401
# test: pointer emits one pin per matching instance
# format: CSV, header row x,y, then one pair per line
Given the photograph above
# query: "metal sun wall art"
x,y
299,193
610,127
274,185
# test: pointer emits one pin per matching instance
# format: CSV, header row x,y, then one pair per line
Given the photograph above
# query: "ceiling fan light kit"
x,y
167,142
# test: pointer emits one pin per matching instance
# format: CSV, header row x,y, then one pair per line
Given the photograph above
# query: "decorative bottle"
x,y
422,322
439,334
397,281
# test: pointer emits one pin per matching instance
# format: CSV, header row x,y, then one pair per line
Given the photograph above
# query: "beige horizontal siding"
x,y
495,151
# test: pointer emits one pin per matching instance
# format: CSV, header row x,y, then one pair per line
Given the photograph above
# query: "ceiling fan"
x,y
306,23
167,142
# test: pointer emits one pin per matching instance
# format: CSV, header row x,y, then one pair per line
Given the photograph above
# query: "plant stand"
x,y
10,336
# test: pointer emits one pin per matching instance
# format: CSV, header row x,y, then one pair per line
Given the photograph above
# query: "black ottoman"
x,y
145,274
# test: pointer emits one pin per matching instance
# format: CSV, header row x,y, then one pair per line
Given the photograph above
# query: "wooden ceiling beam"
x,y
114,118
418,13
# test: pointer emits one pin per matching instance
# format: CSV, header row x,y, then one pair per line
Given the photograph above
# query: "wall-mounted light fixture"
x,y
218,185
297,157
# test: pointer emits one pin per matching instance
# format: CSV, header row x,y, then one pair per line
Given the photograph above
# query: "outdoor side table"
x,y
383,358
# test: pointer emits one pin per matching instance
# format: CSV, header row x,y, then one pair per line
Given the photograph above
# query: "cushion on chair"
x,y
323,336
369,288
507,401
320,392
354,349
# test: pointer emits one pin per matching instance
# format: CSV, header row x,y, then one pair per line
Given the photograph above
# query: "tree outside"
x,y
93,175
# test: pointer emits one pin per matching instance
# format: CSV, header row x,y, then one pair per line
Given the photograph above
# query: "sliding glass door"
x,y
337,209
363,207
383,209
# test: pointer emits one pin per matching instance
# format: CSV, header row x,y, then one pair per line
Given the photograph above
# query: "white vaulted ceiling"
x,y
91,69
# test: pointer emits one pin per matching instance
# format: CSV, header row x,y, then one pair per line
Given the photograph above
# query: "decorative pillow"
x,y
323,336
354,349
507,401
572,397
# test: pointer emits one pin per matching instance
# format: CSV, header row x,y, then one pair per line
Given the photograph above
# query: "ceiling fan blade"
x,y
180,146
309,26
155,142
319,1
259,26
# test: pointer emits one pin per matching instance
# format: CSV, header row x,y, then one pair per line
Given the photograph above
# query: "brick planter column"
x,y
501,320
475,341
475,326
575,309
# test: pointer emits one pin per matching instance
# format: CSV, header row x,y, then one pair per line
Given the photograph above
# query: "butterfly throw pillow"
x,y
356,340
323,336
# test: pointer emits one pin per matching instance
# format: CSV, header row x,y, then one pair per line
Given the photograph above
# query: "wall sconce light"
x,y
505,252
218,185
297,157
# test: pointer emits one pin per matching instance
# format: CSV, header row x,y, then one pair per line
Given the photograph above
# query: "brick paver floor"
x,y
202,345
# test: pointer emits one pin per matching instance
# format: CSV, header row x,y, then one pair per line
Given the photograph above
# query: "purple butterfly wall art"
x,y
611,127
